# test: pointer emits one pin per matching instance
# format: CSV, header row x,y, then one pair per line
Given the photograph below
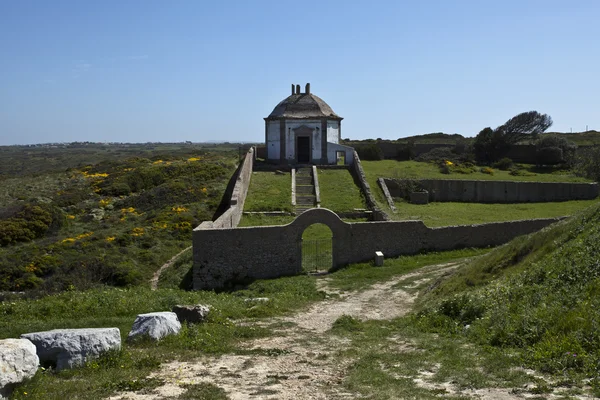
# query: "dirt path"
x,y
156,276
298,361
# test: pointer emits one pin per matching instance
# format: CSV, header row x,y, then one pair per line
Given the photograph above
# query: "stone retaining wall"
x,y
232,216
223,257
498,191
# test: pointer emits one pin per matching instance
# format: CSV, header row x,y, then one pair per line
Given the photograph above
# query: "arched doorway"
x,y
317,248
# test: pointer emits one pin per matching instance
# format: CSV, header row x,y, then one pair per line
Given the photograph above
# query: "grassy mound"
x,y
538,296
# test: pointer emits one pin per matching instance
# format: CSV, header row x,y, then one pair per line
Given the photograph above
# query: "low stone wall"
x,y
232,216
386,193
498,191
223,257
358,173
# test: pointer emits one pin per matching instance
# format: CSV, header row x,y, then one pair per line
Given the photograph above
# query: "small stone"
x,y
191,314
18,361
257,300
155,325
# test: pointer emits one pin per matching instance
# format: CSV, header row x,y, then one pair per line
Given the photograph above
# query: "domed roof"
x,y
302,105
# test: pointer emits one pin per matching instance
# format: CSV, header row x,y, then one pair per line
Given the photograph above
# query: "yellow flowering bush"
x,y
178,209
192,159
78,237
137,232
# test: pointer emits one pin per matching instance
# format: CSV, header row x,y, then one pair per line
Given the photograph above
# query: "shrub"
x,y
370,152
439,154
504,164
549,156
487,170
587,163
117,189
547,153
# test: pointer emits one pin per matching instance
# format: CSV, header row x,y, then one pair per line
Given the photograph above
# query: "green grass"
x,y
118,308
269,191
388,358
447,214
423,170
265,220
538,296
339,193
360,276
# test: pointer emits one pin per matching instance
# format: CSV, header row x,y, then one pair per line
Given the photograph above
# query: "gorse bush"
x,y
113,223
504,164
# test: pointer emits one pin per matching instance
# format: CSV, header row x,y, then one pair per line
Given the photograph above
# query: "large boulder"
x,y
155,325
191,314
70,348
18,361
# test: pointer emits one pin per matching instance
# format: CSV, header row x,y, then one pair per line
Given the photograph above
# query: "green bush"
x,y
504,164
553,149
549,156
587,163
370,152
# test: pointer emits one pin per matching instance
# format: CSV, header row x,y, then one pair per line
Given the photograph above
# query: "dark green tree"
x,y
492,144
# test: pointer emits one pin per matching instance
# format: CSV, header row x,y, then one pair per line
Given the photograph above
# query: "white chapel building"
x,y
303,129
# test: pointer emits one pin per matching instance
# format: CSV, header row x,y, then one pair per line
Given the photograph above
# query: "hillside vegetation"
x,y
538,297
114,222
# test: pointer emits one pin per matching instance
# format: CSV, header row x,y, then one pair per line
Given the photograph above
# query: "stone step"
x,y
304,200
303,180
305,189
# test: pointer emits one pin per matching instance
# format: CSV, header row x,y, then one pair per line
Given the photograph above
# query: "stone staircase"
x,y
305,190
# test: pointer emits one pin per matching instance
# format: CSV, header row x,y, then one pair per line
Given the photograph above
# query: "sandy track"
x,y
297,361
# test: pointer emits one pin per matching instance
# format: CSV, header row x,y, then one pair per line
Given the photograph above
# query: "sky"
x,y
171,71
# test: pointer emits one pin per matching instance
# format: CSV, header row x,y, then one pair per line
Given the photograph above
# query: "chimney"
x,y
307,90
297,89
293,89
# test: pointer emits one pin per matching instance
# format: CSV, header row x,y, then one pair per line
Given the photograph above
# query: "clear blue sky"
x,y
139,71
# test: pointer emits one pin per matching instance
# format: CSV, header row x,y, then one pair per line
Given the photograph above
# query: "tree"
x,y
492,144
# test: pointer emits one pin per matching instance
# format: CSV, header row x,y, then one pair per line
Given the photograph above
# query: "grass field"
x,y
447,214
339,193
269,191
423,170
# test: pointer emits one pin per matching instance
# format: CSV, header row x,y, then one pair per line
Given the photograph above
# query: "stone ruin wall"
x,y
223,257
473,191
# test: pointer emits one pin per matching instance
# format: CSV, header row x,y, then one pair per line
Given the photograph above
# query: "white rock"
x,y
70,348
156,325
18,361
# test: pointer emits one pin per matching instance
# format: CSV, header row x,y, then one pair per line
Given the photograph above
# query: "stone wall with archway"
x,y
224,257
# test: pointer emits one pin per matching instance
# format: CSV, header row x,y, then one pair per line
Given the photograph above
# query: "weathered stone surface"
x,y
70,348
191,314
155,325
18,361
264,252
419,197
